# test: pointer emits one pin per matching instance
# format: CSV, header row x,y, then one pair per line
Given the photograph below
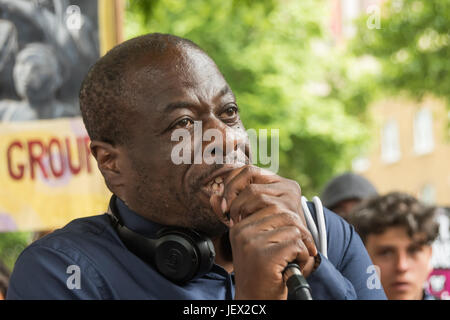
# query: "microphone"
x,y
298,287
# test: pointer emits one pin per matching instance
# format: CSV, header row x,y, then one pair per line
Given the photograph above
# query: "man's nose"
x,y
402,262
224,141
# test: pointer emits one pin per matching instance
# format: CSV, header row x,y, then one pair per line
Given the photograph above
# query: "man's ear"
x,y
108,161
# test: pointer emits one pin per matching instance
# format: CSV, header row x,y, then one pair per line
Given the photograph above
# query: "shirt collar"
x,y
135,221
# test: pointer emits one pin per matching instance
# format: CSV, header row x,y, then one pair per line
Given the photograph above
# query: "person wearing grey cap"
x,y
344,192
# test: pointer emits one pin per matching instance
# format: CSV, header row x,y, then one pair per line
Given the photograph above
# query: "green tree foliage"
x,y
412,47
277,58
11,245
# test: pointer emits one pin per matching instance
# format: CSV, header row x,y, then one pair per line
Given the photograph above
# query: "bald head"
x,y
108,95
134,101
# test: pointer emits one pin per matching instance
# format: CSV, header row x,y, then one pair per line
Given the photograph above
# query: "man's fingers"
x,y
253,198
289,250
246,176
273,218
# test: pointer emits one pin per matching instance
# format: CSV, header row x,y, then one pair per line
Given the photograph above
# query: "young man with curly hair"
x,y
398,231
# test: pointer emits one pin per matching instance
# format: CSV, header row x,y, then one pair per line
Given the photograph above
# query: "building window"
x,y
390,143
428,194
423,131
360,164
351,9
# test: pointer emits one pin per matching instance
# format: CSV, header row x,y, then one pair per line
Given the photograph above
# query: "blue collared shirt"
x,y
87,260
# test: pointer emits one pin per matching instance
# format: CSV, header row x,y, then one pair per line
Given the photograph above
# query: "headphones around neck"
x,y
179,254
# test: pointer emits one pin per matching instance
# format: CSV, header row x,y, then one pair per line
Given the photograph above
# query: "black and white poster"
x,y
46,48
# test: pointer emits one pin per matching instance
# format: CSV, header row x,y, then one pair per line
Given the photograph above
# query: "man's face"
x,y
404,262
186,87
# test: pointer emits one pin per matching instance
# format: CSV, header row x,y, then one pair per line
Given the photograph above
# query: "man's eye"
x,y
385,253
230,112
184,123
414,250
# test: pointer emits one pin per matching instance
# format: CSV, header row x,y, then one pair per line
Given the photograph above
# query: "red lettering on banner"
x,y
52,158
87,149
36,158
73,169
21,167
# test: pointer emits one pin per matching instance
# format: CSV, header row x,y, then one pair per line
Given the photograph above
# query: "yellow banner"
x,y
48,176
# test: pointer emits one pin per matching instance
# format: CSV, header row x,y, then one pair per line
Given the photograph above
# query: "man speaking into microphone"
x,y
190,229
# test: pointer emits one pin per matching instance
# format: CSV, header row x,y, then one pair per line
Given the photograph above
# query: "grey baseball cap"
x,y
346,186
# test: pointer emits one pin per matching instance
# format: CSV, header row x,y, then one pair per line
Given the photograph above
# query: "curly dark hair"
x,y
105,99
375,215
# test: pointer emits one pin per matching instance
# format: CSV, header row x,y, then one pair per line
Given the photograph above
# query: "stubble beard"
x,y
205,221
193,214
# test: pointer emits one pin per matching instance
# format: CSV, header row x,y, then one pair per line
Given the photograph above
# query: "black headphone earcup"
x,y
181,254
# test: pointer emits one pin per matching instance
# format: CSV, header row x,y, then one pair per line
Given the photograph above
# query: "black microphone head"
x,y
298,287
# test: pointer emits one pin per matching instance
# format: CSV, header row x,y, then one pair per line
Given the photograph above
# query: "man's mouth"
x,y
401,285
215,185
